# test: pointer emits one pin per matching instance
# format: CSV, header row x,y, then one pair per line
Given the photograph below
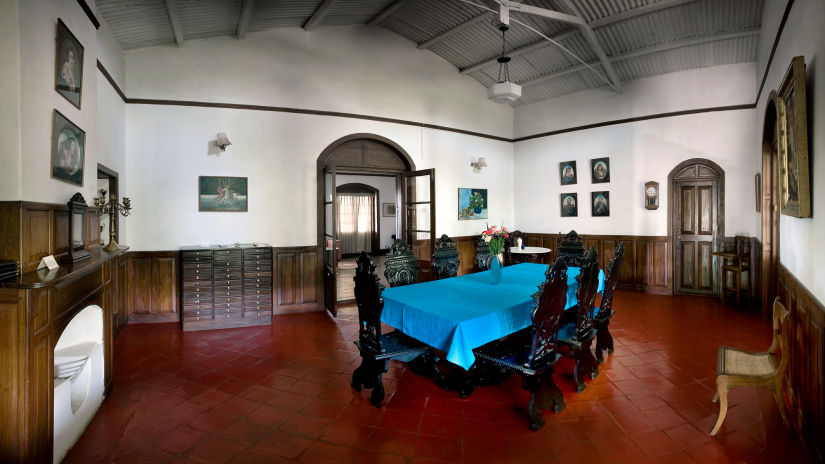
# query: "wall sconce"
x,y
481,163
223,141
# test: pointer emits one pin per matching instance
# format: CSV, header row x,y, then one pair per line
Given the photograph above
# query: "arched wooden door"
x,y
770,207
697,211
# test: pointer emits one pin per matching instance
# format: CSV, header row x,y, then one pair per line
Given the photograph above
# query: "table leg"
x,y
426,365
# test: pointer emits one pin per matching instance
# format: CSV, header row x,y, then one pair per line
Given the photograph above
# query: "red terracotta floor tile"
x,y
281,394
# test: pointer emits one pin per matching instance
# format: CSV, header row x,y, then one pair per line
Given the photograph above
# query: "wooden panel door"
x,y
695,233
420,218
330,241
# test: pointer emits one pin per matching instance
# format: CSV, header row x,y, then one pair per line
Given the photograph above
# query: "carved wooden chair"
x,y
570,248
604,312
532,353
735,367
736,266
445,258
483,255
579,334
513,242
376,348
401,267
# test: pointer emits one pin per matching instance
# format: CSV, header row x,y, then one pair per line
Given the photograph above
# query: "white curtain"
x,y
356,221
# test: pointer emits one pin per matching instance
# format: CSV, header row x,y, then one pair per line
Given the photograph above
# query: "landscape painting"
x,y
472,204
228,194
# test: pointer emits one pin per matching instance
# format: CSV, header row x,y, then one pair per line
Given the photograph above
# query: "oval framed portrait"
x,y
567,172
600,170
600,204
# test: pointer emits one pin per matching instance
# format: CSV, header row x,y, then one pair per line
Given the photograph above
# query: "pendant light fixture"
x,y
504,91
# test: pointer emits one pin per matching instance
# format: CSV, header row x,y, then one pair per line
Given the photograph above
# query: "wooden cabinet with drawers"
x,y
226,286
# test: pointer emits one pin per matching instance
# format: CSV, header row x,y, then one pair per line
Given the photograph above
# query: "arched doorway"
x,y
372,155
696,212
770,206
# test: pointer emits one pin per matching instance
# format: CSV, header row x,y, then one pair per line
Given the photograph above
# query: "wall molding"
x,y
89,13
773,48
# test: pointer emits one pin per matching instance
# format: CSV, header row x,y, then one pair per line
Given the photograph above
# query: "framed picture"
x,y
569,204
388,209
600,204
567,171
222,194
68,72
600,170
68,150
472,204
794,183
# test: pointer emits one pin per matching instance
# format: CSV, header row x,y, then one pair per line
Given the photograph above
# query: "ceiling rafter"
x,y
597,48
319,15
455,30
174,21
644,51
243,20
387,12
602,22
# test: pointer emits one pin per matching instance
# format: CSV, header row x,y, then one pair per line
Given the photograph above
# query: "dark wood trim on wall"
x,y
153,286
806,370
773,48
297,282
111,80
89,13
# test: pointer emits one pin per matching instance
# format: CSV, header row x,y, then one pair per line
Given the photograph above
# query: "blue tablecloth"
x,y
461,313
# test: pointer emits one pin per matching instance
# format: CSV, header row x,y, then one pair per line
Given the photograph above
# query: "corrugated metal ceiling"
x,y
648,37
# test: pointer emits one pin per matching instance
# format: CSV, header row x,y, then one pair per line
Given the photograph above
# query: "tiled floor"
x,y
281,394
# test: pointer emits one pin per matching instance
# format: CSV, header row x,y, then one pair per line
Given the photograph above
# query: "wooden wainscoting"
x,y
297,279
646,266
806,373
153,289
466,246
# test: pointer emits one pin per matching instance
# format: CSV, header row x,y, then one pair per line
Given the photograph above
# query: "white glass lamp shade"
x,y
223,141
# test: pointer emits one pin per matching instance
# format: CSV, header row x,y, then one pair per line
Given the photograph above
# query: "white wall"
x,y
386,194
356,70
800,250
639,151
10,102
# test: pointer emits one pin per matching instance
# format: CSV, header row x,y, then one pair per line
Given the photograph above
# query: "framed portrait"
x,y
388,209
567,172
600,204
218,193
68,72
757,190
794,183
68,150
472,204
600,170
569,205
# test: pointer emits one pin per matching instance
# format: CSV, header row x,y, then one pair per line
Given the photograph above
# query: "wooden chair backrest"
x,y
548,308
401,267
483,255
369,302
513,242
614,270
743,249
445,258
571,249
588,280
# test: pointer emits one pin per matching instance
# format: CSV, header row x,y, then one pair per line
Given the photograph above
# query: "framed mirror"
x,y
77,229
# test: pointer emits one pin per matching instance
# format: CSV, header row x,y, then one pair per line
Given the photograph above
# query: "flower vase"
x,y
495,268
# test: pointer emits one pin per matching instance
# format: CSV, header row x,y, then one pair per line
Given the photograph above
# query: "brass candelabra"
x,y
112,207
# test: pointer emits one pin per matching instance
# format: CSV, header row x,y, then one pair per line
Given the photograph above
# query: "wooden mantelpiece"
x,y
35,308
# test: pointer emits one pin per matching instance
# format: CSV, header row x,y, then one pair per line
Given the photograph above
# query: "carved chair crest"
x,y
571,249
445,258
511,242
549,302
401,267
369,302
483,255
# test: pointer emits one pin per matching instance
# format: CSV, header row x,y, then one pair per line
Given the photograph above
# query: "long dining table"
x,y
458,314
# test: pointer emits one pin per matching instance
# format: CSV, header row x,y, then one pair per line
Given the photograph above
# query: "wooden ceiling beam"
x,y
174,21
319,15
387,12
243,20
644,51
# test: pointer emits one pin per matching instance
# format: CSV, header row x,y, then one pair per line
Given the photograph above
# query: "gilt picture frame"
x,y
68,68
794,180
223,194
68,150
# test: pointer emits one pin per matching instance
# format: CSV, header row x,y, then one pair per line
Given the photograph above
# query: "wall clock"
x,y
652,195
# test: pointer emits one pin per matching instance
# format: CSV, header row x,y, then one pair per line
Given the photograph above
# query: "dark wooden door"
x,y
420,218
330,241
696,227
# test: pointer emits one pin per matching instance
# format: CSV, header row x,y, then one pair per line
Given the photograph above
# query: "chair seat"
x,y
569,334
513,353
736,362
735,267
395,345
